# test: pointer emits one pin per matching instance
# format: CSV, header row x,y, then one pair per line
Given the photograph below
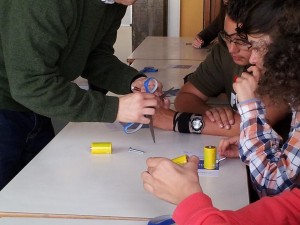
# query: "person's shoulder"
x,y
219,53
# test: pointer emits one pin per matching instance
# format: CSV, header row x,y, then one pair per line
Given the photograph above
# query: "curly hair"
x,y
281,80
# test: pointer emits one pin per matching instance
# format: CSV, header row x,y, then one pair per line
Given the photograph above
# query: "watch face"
x,y
197,124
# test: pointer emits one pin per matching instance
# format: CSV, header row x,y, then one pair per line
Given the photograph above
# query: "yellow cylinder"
x,y
101,148
180,160
210,156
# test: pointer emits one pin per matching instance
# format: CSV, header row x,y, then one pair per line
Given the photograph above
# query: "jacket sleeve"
x,y
103,68
35,33
198,209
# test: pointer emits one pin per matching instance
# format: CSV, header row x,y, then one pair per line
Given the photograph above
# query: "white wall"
x,y
174,18
123,45
127,20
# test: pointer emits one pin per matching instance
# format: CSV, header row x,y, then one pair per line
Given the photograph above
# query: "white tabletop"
x,y
170,72
168,48
47,221
65,178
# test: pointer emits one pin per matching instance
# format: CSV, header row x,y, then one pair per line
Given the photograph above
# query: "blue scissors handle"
x,y
147,85
128,128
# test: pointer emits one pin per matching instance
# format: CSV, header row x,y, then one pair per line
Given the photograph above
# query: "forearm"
x,y
189,102
198,209
104,70
164,119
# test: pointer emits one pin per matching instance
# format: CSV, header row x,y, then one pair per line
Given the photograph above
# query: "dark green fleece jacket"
x,y
46,44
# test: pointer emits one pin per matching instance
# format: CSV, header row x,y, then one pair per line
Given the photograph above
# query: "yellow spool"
x,y
180,160
210,156
101,148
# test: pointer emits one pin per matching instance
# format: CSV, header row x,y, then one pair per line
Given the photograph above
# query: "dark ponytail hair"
x,y
262,16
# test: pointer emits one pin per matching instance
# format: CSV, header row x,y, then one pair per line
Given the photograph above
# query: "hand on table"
x,y
169,181
223,116
229,147
198,42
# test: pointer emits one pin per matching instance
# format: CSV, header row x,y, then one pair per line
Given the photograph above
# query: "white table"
x,y
171,73
47,221
66,179
168,48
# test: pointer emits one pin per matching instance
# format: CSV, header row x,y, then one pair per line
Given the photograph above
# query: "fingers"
x,y
198,42
147,181
223,116
133,107
153,161
223,146
166,103
229,147
138,85
255,71
232,153
245,86
194,160
168,181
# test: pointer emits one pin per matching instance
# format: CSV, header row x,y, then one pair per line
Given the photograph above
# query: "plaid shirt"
x,y
274,166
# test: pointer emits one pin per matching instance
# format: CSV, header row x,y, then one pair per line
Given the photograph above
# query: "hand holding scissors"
x,y
129,127
133,127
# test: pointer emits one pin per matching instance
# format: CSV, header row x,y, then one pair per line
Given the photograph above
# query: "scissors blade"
x,y
151,128
166,92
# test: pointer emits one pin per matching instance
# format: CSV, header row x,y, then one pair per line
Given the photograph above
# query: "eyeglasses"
x,y
260,47
240,40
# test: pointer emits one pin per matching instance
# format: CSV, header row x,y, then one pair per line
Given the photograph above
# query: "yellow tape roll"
x,y
101,148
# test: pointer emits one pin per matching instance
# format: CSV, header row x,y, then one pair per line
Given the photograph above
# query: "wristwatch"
x,y
196,123
108,1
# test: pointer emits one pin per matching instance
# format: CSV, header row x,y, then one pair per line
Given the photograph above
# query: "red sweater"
x,y
283,209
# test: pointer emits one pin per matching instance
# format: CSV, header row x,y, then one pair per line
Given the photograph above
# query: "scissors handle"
x,y
129,128
148,87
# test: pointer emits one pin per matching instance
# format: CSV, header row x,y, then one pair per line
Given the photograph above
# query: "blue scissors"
x,y
130,128
162,220
148,69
